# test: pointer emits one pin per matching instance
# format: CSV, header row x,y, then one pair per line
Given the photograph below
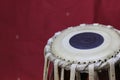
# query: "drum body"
x,y
87,49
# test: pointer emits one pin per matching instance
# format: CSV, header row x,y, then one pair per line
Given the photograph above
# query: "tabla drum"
x,y
86,48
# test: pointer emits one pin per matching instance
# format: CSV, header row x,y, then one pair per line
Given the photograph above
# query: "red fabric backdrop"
x,y
25,26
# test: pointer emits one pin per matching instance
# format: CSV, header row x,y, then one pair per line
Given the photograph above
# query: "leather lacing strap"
x,y
118,58
46,66
112,69
92,73
62,74
78,76
56,72
64,64
73,71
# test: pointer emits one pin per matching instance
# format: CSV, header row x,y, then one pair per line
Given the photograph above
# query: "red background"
x,y
26,25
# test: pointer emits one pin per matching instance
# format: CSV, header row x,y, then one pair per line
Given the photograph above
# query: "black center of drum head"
x,y
86,40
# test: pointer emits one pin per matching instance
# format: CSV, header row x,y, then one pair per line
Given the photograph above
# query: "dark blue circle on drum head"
x,y
86,40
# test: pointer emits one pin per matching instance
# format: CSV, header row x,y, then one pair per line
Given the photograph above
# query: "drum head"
x,y
84,44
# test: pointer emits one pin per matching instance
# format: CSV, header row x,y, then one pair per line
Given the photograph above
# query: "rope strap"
x,y
62,74
73,71
112,69
78,76
64,64
56,72
91,72
46,66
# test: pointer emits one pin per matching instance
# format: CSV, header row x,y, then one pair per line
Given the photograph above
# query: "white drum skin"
x,y
106,50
